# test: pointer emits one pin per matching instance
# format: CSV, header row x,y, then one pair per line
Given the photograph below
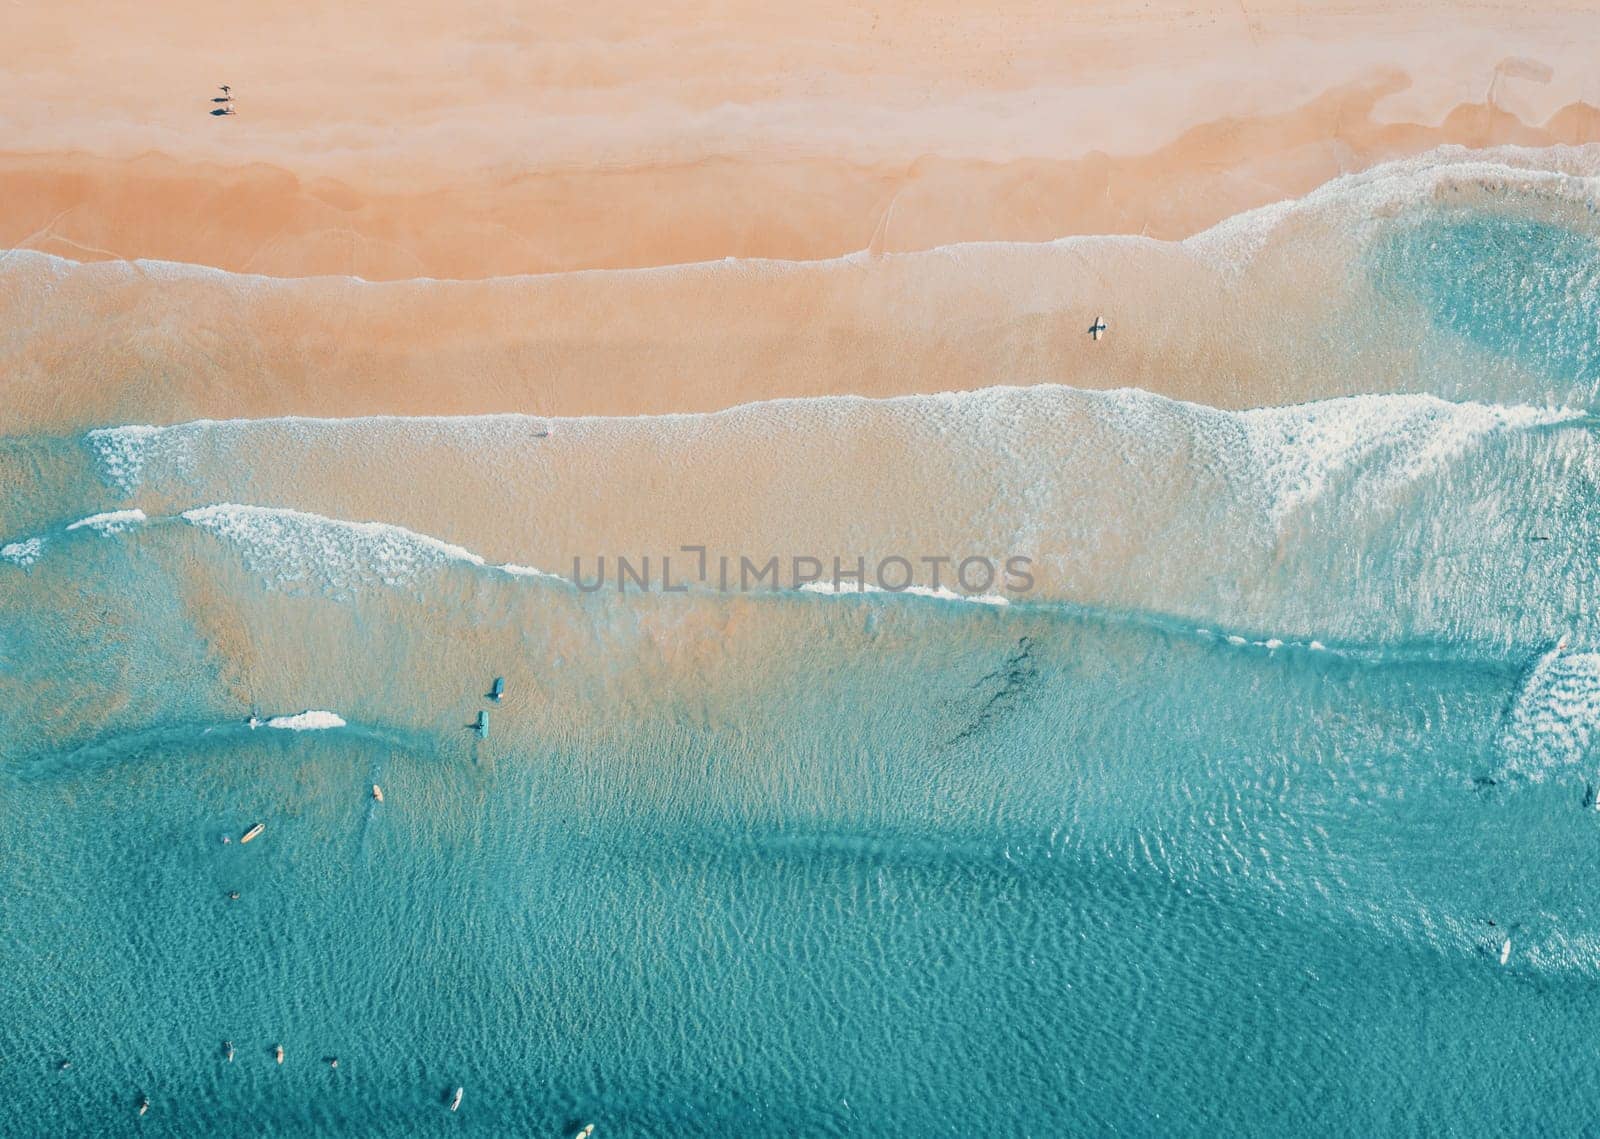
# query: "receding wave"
x,y
736,724
1298,704
1556,717
1273,519
1406,278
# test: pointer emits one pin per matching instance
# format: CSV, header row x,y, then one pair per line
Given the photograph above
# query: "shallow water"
x,y
1223,829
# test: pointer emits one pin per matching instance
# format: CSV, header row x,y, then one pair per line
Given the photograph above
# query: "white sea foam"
x,y
1570,172
23,553
1376,444
1356,201
110,522
26,551
528,571
840,589
1271,644
293,549
1557,715
1288,457
128,456
307,721
1070,473
122,452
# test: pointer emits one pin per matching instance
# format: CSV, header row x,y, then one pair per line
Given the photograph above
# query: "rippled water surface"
x,y
1271,809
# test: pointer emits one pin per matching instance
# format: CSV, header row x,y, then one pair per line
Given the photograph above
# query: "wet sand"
x,y
263,218
836,156
1274,308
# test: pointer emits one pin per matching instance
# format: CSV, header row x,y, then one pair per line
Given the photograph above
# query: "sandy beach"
x,y
469,141
922,569
91,344
451,219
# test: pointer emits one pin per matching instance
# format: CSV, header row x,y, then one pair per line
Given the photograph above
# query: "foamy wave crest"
x,y
1557,715
294,550
1376,444
122,452
1367,198
23,553
26,551
830,589
1271,644
313,721
1267,520
110,522
1281,459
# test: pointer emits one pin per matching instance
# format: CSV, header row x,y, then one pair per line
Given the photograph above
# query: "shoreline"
x,y
103,343
264,219
629,212
467,143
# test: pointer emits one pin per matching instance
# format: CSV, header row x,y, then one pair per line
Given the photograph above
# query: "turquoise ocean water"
x,y
1309,848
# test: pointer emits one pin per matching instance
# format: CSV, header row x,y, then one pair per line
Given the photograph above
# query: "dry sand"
x,y
472,141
